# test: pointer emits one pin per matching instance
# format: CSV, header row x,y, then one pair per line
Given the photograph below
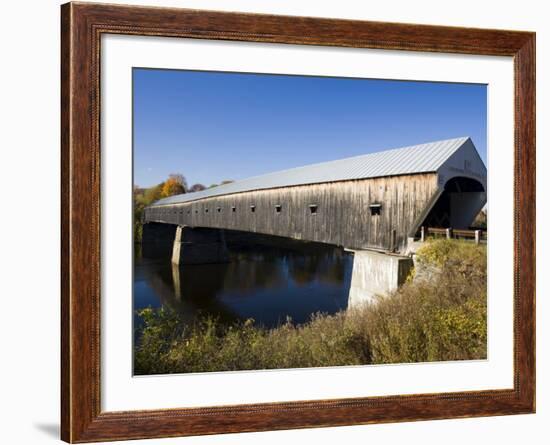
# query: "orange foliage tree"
x,y
174,185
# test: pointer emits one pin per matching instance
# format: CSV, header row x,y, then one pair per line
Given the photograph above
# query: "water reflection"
x,y
265,282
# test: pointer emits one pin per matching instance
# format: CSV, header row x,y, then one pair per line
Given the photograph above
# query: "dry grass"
x,y
443,318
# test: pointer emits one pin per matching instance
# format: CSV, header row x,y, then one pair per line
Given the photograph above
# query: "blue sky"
x,y
212,126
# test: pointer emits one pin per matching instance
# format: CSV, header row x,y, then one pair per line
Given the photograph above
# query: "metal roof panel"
x,y
413,159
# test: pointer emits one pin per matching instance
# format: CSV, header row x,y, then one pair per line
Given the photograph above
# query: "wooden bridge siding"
x,y
343,215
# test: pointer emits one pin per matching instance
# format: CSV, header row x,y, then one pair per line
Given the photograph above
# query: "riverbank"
x,y
436,319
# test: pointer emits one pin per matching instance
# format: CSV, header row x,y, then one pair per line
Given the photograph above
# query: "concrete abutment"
x,y
376,273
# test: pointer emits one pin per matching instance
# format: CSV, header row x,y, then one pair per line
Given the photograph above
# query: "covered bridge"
x,y
376,201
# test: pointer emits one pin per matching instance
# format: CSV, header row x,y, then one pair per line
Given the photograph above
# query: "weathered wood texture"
x,y
82,419
342,215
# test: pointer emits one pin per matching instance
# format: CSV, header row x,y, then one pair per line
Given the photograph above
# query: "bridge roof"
x,y
423,158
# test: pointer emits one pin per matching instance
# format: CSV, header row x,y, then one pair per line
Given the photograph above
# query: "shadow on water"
x,y
267,279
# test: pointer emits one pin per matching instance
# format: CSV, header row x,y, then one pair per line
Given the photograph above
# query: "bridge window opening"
x,y
375,209
313,209
196,211
219,209
278,208
252,208
233,209
205,210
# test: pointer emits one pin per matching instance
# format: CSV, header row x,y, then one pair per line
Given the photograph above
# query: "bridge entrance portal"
x,y
462,199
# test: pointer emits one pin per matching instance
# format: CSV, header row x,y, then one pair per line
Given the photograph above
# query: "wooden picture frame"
x,y
82,25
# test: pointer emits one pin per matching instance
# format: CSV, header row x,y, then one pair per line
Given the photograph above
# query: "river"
x,y
264,282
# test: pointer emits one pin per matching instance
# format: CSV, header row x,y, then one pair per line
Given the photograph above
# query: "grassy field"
x,y
436,316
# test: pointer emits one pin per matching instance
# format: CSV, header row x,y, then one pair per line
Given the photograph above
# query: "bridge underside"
x,y
184,245
373,273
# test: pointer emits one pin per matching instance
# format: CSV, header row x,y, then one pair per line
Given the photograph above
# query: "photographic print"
x,y
277,222
285,221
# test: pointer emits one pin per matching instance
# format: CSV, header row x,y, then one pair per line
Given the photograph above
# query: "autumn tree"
x,y
174,185
179,179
